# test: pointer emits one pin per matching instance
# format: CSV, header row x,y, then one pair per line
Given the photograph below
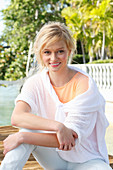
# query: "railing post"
x,y
101,73
112,76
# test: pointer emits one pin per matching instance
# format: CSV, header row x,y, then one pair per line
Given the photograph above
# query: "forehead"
x,y
55,45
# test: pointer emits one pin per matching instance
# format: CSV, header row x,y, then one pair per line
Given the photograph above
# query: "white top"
x,y
84,114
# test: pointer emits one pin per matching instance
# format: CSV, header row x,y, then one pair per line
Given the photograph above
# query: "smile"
x,y
55,64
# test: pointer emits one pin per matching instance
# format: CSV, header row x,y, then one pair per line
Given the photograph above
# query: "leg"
x,y
90,165
16,158
49,159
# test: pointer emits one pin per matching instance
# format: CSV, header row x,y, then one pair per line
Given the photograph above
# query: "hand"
x,y
66,138
12,141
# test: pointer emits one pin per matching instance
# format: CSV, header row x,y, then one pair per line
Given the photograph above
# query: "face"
x,y
55,56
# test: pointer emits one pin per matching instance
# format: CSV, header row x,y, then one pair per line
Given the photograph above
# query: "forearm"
x,y
63,140
40,139
34,122
22,117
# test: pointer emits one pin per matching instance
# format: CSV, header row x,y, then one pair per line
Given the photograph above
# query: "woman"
x,y
60,110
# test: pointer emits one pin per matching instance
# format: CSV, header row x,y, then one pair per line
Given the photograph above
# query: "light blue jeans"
x,y
48,158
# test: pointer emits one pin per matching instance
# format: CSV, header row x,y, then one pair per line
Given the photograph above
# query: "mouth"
x,y
55,64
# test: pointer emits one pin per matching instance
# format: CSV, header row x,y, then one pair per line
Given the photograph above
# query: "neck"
x,y
59,79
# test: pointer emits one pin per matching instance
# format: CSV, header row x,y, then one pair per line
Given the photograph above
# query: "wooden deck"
x,y
31,164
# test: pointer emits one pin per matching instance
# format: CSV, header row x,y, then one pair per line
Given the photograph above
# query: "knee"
x,y
17,157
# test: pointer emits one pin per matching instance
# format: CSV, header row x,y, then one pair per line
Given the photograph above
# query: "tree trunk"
x,y
83,52
103,46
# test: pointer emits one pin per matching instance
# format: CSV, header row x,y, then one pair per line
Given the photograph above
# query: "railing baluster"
x,y
101,73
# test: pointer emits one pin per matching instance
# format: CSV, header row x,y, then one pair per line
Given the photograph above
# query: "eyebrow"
x,y
56,49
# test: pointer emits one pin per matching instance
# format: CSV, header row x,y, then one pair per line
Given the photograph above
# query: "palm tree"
x,y
90,22
102,21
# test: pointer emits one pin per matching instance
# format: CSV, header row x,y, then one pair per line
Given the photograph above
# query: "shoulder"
x,y
34,77
81,83
82,77
32,82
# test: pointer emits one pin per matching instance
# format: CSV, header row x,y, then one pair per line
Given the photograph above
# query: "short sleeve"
x,y
28,95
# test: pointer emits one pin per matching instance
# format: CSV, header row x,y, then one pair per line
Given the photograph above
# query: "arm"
x,y
22,117
39,139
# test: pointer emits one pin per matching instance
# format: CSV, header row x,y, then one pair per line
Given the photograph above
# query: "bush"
x,y
17,68
101,61
13,65
6,57
78,59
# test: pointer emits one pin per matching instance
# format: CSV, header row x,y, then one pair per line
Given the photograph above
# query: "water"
x,y
7,98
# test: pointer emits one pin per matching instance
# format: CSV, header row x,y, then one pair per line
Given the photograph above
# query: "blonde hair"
x,y
51,33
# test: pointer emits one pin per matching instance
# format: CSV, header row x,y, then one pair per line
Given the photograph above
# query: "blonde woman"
x,y
60,111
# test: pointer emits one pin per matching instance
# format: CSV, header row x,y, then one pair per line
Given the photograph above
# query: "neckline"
x,y
52,90
55,87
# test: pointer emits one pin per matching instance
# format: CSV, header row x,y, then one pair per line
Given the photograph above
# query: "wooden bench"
x,y
31,164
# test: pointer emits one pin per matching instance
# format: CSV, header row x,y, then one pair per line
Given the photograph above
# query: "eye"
x,y
47,52
60,51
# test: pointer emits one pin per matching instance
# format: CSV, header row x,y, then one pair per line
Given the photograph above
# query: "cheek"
x,y
45,59
64,57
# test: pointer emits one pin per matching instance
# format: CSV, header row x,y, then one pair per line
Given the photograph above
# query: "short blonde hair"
x,y
51,33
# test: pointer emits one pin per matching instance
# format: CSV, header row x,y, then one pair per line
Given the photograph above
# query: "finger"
x,y
61,147
4,152
69,147
75,135
72,144
65,147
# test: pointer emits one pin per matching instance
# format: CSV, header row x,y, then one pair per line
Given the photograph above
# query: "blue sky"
x,y
3,5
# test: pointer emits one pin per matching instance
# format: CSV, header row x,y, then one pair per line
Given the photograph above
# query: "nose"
x,y
53,56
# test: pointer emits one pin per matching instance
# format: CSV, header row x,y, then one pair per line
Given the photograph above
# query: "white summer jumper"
x,y
84,114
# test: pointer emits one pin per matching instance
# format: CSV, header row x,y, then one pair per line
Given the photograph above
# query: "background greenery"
x,y
91,22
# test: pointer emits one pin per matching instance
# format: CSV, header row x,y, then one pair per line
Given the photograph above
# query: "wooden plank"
x,y
110,159
7,130
32,165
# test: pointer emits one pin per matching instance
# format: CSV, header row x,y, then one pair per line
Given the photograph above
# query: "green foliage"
x,y
12,66
20,21
101,61
6,57
89,21
21,26
16,69
78,59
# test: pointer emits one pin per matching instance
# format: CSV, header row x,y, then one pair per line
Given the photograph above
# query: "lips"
x,y
55,64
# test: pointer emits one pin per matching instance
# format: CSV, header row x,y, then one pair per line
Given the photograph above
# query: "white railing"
x,y
103,76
